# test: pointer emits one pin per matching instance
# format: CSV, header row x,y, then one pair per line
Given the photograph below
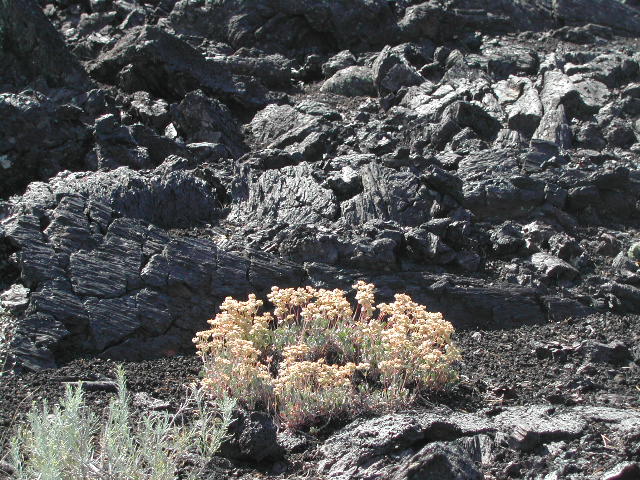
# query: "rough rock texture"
x,y
475,181
448,445
555,399
32,50
482,156
39,138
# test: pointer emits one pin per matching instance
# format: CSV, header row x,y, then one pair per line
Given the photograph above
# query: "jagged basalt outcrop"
x,y
32,50
471,171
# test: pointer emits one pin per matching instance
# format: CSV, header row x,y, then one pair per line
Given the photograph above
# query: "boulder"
x,y
39,138
339,61
106,278
553,268
464,114
623,471
392,71
532,426
274,71
553,132
622,18
351,82
150,111
388,194
198,118
526,112
291,195
439,461
366,446
151,59
252,437
506,60
31,49
288,26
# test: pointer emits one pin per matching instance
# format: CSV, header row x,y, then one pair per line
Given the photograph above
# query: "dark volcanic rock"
x,y
200,119
623,18
38,139
532,427
31,49
106,278
460,115
364,446
479,155
339,61
252,437
439,461
392,71
351,82
148,58
302,26
441,444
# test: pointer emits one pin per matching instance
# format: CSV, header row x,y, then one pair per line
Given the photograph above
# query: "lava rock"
x,y
339,61
33,49
39,138
525,114
553,131
601,12
291,26
149,111
363,447
252,437
198,118
537,425
553,268
438,461
392,71
351,82
623,471
150,59
464,114
616,353
426,245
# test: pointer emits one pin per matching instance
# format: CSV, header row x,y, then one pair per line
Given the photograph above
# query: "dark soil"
x,y
533,364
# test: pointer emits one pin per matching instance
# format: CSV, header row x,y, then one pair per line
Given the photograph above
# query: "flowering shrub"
x,y
315,357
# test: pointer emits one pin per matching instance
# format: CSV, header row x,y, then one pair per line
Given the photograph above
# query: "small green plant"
x,y
8,328
67,442
317,358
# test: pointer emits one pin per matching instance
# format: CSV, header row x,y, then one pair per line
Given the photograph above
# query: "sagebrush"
x,y
316,357
69,442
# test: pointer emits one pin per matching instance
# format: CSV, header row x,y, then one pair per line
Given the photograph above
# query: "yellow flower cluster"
x,y
288,302
415,345
307,375
365,298
329,305
231,352
235,320
307,391
295,353
316,357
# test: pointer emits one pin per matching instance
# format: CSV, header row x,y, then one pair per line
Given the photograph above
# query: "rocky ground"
x,y
480,155
558,400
